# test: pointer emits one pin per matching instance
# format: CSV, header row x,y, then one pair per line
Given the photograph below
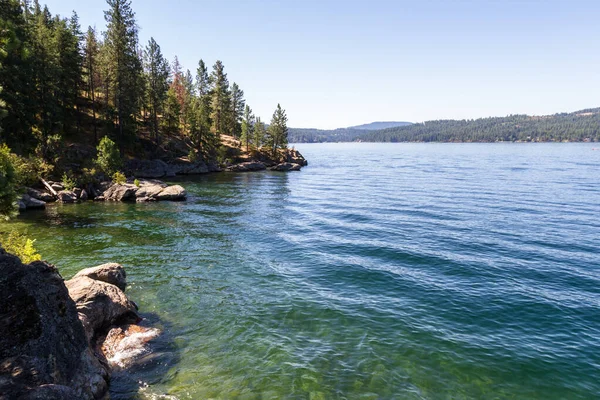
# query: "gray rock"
x,y
173,193
247,166
295,157
65,196
118,192
39,195
31,203
44,351
22,206
283,167
112,273
100,304
150,189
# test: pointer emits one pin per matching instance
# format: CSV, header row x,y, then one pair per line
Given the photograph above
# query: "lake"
x,y
380,271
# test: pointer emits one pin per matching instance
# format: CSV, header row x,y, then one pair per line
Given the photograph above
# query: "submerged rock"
x,y
286,167
124,344
44,351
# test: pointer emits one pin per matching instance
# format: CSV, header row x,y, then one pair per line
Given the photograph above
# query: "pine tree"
x,y
202,135
219,101
121,39
236,111
16,71
247,127
278,131
172,111
157,78
259,133
91,62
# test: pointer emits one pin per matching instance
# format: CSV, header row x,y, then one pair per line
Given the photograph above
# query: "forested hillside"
x,y
309,135
61,84
579,126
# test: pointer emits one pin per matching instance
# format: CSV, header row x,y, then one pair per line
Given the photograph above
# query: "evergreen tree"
x,y
247,127
172,111
202,136
220,101
236,111
16,96
259,133
157,78
121,40
91,62
278,132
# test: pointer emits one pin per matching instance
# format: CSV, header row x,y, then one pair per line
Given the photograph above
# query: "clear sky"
x,y
340,63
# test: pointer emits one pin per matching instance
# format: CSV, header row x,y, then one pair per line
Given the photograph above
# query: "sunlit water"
x,y
381,271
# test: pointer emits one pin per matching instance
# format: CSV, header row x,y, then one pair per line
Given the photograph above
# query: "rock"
x,y
173,193
100,304
124,344
44,351
65,196
39,195
247,166
118,192
83,196
150,189
147,168
295,157
112,273
22,206
31,203
283,167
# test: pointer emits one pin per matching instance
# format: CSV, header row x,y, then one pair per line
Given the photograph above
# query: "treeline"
x,y
308,135
574,127
58,82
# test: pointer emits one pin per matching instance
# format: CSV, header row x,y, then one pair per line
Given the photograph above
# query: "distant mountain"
x,y
577,126
374,126
311,135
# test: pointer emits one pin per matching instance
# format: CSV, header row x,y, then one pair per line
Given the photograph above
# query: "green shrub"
x,y
136,182
21,246
88,175
8,182
67,182
119,178
108,159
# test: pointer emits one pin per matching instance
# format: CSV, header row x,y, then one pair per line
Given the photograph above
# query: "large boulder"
x,y
66,196
32,203
150,189
44,351
173,193
39,195
101,304
247,166
295,157
120,192
283,167
112,273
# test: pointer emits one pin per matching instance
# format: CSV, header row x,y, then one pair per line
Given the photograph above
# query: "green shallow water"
x,y
403,271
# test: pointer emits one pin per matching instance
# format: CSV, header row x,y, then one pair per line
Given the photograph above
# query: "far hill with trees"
x,y
577,126
373,126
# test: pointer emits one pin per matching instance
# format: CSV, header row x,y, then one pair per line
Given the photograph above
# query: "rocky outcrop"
x,y
39,195
148,190
155,169
247,166
61,340
284,167
294,156
101,304
44,351
119,192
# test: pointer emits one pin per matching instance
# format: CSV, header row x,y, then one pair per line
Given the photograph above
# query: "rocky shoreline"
x,y
147,187
62,340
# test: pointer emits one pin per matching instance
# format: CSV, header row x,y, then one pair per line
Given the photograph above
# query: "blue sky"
x,y
340,63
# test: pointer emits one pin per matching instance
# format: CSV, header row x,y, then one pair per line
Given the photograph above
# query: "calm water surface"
x,y
381,271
